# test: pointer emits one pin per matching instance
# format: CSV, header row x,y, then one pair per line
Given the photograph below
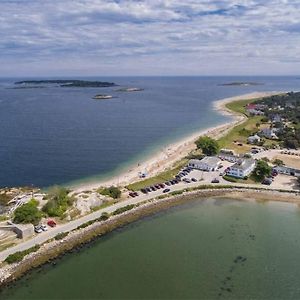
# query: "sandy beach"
x,y
172,153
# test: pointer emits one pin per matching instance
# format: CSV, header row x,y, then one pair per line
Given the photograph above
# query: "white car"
x,y
38,229
44,227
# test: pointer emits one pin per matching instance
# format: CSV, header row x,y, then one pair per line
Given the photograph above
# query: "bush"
x,y
230,178
28,213
104,216
18,256
58,202
123,209
112,192
61,235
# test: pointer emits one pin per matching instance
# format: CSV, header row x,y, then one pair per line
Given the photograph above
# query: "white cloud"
x,y
149,37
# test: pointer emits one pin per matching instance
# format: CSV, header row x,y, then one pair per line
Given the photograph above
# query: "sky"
x,y
152,37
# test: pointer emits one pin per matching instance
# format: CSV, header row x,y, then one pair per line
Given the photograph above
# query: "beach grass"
x,y
160,178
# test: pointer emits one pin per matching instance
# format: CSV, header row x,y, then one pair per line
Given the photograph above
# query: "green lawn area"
x,y
249,180
239,106
160,178
240,134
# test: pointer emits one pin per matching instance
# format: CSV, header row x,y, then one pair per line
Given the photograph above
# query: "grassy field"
x,y
160,178
239,106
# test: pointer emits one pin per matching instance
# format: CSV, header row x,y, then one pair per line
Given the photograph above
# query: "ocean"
x,y
58,135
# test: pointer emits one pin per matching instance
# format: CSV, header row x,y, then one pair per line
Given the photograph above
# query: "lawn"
x,y
239,106
160,178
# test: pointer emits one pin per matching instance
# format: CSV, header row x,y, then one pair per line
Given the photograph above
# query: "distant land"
x,y
68,83
241,83
132,89
103,97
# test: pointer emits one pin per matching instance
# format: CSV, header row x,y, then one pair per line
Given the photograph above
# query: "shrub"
x,y
28,213
104,216
230,178
123,209
58,202
61,235
112,192
18,256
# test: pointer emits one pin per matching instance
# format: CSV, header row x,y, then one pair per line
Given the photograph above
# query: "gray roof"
x,y
244,164
209,160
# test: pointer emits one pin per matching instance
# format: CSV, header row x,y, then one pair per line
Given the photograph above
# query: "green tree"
x,y
58,202
208,145
262,170
111,191
28,213
278,162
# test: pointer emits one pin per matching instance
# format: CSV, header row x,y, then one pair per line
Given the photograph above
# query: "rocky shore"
x,y
76,239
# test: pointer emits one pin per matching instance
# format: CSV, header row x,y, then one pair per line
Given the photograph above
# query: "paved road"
x,y
52,232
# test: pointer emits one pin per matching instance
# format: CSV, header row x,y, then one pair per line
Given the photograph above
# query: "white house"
x,y
254,139
208,163
242,168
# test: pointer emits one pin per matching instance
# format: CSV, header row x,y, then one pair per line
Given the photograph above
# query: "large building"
x,y
208,163
242,168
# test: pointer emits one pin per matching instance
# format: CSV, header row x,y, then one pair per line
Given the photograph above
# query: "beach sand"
x,y
172,153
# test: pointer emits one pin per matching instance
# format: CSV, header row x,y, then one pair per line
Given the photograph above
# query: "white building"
x,y
242,168
254,139
208,163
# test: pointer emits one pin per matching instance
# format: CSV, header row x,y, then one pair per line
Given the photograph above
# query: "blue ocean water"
x,y
59,135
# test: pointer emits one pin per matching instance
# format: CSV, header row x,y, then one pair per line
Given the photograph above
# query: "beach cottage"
x,y
241,168
208,163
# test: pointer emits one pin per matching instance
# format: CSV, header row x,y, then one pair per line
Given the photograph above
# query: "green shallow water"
x,y
211,249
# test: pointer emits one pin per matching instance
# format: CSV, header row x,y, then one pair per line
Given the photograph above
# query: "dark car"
x,y
148,189
166,190
267,181
162,185
132,194
153,188
167,183
51,223
215,180
194,179
144,191
158,186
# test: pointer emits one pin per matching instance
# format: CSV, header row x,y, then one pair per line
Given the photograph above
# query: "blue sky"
x,y
155,37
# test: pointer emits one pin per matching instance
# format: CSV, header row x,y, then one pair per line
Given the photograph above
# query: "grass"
x,y
160,178
249,180
240,133
239,106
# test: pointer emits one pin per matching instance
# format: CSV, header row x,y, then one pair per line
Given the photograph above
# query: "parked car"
x,y
51,223
166,190
194,179
267,181
215,180
44,227
131,194
38,229
167,183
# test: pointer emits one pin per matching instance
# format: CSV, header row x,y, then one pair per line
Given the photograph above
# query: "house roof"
x,y
244,164
209,160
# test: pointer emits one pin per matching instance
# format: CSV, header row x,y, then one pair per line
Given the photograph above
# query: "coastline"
x,y
166,158
76,239
79,236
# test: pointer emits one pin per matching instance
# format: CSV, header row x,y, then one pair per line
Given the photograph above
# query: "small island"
x,y
102,97
237,83
67,83
130,89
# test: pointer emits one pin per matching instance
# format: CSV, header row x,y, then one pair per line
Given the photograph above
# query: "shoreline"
x,y
170,154
76,239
